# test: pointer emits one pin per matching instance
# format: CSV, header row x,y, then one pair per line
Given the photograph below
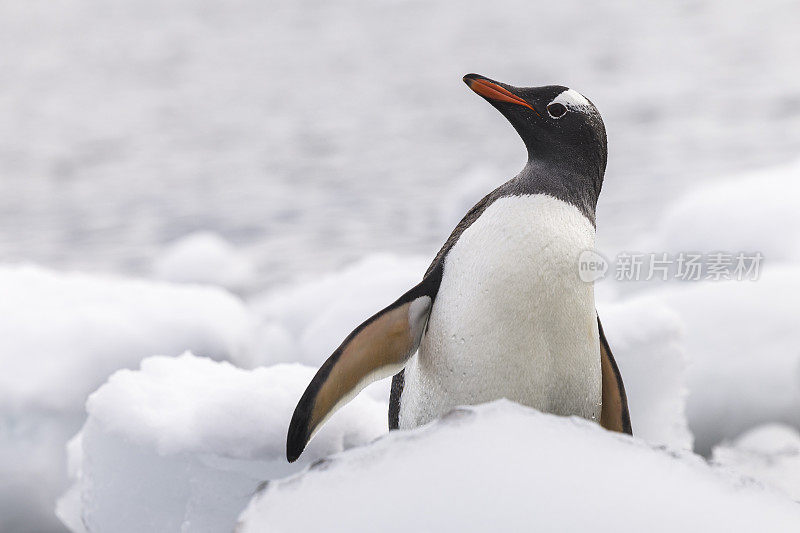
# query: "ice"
x,y
503,467
182,443
205,257
769,453
61,335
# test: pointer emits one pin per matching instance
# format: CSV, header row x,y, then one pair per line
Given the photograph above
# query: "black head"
x,y
560,127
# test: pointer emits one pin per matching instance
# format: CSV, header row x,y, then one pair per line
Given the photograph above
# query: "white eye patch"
x,y
572,99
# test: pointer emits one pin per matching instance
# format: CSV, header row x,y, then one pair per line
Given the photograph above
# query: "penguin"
x,y
501,312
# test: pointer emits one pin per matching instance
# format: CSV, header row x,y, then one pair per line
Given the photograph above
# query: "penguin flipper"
x,y
614,414
376,349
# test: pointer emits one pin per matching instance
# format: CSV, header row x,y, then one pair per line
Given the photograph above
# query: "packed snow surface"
x,y
769,453
503,467
182,443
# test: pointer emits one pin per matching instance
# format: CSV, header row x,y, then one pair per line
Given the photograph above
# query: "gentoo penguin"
x,y
501,312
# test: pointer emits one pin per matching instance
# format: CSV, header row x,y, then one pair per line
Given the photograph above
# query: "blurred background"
x,y
310,157
309,133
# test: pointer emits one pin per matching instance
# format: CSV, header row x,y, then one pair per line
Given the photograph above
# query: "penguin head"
x,y
557,124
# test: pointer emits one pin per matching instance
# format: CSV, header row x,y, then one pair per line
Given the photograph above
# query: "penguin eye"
x,y
556,110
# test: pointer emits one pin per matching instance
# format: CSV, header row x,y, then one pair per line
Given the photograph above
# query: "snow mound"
x,y
742,341
182,443
307,321
754,212
184,405
318,314
646,338
61,336
503,467
743,346
768,453
205,258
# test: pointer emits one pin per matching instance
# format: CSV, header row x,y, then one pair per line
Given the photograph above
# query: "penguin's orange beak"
x,y
492,91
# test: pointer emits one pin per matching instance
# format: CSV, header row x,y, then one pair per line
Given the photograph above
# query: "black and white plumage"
x,y
501,311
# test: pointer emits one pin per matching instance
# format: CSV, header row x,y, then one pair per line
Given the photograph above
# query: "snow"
x,y
68,507
769,453
205,258
170,422
743,345
61,335
306,321
184,405
504,467
755,211
741,340
647,340
741,336
319,312
190,439
131,125
686,352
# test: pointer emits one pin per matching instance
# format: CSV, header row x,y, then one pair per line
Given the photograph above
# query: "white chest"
x,y
512,318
